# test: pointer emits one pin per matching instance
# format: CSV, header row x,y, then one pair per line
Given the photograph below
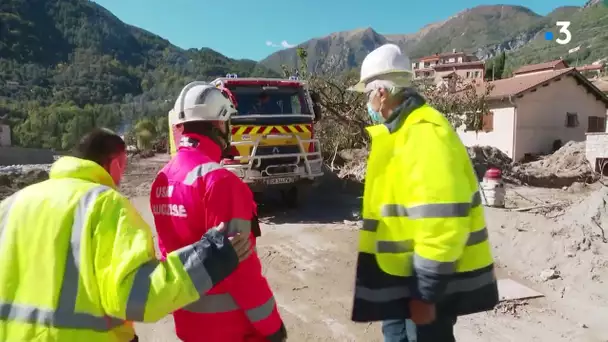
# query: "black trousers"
x,y
135,339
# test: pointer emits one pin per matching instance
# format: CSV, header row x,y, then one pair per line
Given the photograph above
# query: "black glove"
x,y
255,227
279,336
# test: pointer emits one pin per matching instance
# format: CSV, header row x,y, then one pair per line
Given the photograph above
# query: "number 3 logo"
x,y
563,29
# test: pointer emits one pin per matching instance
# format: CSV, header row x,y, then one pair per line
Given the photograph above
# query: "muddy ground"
x,y
309,259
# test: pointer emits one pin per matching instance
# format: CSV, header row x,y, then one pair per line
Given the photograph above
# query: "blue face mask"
x,y
375,116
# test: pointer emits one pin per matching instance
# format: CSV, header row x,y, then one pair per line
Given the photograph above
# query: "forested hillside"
x,y
66,65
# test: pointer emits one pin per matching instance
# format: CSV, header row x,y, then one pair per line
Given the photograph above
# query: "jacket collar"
x,y
413,101
72,167
201,143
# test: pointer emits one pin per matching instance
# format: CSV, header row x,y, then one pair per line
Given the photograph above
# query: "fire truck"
x,y
273,146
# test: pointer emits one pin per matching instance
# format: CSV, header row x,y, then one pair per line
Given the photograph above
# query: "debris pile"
x,y
485,157
11,182
560,169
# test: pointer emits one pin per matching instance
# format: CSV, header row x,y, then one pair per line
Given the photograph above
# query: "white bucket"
x,y
493,193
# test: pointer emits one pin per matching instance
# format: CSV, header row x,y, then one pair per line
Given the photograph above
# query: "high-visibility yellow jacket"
x,y
424,234
77,261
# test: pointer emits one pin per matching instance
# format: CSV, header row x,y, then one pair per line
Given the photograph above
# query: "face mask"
x,y
375,116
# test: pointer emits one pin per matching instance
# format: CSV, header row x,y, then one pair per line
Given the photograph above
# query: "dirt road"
x,y
309,259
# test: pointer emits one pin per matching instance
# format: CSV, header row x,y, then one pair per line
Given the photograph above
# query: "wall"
x,y
20,155
460,71
502,135
541,116
5,135
596,147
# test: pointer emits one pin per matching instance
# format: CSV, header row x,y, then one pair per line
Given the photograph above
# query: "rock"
x,y
549,274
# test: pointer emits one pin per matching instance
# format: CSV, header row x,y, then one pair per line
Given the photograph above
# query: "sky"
x,y
254,29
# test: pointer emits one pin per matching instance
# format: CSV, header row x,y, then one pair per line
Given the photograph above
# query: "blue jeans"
x,y
404,330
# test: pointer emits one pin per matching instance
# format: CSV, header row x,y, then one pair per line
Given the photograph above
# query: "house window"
x,y
468,74
427,64
596,124
488,122
476,74
571,119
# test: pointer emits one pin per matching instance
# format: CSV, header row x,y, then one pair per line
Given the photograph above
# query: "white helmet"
x,y
201,101
386,62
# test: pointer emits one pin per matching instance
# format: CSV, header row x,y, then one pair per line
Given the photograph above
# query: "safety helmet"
x,y
387,60
201,101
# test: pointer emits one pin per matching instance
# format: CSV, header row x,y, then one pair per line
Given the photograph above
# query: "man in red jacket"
x,y
193,194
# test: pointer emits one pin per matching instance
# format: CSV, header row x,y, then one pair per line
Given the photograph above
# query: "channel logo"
x,y
564,35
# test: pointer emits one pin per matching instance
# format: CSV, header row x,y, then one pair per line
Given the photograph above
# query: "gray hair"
x,y
396,84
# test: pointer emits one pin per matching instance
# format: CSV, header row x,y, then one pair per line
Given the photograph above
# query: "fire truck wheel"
x,y
294,197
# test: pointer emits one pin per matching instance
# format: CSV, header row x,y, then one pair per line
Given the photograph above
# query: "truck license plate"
x,y
275,181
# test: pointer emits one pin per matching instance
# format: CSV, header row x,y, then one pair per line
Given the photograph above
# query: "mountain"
x,y
483,30
69,65
76,50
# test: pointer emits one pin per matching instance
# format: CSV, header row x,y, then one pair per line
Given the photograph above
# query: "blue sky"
x,y
256,28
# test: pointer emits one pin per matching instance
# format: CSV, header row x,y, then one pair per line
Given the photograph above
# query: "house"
x,y
539,106
438,67
5,135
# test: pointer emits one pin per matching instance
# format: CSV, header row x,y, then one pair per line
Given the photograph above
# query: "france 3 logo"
x,y
564,35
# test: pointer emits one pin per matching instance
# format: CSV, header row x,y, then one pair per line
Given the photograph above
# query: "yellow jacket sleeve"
x,y
133,284
437,198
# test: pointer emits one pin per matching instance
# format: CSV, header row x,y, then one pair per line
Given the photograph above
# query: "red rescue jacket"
x,y
190,195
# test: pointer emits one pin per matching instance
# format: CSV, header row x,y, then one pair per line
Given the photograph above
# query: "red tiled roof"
x,y
517,85
539,67
591,67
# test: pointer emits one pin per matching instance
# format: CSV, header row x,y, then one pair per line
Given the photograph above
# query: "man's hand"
x,y
422,313
241,245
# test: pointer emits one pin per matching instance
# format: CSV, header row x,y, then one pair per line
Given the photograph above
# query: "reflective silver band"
x,y
455,286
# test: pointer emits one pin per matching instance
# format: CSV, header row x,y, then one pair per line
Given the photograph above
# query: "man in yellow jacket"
x,y
424,252
77,261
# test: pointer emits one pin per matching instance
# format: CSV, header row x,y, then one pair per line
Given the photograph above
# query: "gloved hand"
x,y
240,242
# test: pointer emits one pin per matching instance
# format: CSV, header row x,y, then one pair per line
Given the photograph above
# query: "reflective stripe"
x,y
222,303
138,296
394,246
261,312
200,171
193,264
370,225
434,267
423,211
455,286
477,237
405,246
65,316
433,210
215,303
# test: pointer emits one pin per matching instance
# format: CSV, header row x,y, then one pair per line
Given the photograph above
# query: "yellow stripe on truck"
x,y
255,129
304,128
281,129
241,130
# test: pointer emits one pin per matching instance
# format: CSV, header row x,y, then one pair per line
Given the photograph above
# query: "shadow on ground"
x,y
333,200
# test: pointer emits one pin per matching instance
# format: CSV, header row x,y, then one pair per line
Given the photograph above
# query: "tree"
x,y
145,133
344,118
495,67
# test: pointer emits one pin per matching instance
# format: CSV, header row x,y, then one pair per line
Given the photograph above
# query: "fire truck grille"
x,y
277,150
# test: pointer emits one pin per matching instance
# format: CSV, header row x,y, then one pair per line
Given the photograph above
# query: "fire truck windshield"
x,y
277,100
